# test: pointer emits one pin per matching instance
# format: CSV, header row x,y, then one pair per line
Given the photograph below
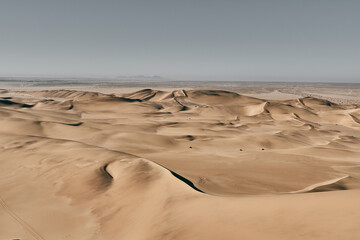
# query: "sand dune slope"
x,y
182,164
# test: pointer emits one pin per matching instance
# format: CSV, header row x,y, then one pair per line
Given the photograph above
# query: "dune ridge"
x,y
332,184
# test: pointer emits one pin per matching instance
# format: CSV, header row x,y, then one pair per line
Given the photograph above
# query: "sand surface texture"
x,y
196,164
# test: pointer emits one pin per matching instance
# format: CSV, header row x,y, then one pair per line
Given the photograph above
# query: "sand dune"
x,y
330,185
181,164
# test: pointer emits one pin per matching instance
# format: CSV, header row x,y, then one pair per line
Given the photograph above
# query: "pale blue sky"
x,y
222,39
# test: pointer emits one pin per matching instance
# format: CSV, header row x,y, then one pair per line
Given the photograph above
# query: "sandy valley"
x,y
177,164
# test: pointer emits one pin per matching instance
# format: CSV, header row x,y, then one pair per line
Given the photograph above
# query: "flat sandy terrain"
x,y
181,164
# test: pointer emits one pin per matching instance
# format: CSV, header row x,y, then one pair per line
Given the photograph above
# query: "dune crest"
x,y
332,184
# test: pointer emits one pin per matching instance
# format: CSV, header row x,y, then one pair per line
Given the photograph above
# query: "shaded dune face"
x,y
154,164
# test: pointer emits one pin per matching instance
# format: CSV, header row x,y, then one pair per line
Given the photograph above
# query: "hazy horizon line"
x,y
189,78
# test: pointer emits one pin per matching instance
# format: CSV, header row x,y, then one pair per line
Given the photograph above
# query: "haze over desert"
x,y
179,164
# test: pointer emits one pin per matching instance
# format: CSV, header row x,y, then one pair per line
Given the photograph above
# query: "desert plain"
x,y
178,164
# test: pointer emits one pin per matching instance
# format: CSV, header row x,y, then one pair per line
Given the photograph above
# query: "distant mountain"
x,y
140,77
